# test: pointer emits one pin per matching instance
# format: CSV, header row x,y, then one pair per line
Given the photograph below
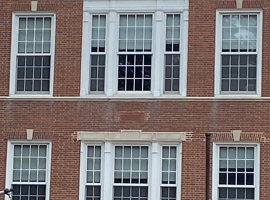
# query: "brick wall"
x,y
59,120
67,42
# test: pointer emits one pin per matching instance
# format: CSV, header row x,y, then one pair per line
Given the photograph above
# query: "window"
x,y
135,171
237,170
172,53
28,170
239,53
93,172
131,172
32,54
98,54
168,183
134,52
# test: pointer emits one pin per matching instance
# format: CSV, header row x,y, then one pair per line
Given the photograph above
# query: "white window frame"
x,y
113,11
218,51
107,174
14,50
9,165
215,166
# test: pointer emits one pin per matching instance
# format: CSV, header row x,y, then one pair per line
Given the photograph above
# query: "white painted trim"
x,y
184,53
86,37
14,50
155,170
217,88
112,9
34,6
108,160
124,5
107,173
9,166
131,136
134,98
82,171
239,3
215,160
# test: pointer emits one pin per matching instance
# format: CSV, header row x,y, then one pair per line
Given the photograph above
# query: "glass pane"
x,y
250,153
47,22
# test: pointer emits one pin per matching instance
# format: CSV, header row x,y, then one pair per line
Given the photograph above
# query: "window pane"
x,y
98,33
172,73
134,69
93,164
240,172
129,192
238,74
38,40
97,73
239,29
127,161
134,27
93,192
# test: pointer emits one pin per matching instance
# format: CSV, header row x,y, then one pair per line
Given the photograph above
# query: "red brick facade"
x,y
59,119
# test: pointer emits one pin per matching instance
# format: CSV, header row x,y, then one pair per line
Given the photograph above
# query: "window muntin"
x,y
131,176
236,167
239,53
29,179
172,53
93,170
98,54
168,177
135,52
131,172
33,56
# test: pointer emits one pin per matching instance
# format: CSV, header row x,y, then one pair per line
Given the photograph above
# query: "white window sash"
x,y
157,52
9,169
219,53
215,167
14,54
107,173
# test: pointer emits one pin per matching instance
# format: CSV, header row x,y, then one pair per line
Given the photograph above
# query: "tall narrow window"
x,y
135,52
98,53
30,171
168,181
93,184
236,173
239,53
131,172
34,54
172,54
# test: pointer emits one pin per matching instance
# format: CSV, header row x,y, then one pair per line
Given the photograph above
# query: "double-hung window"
x,y
236,172
130,171
134,49
238,58
135,52
32,54
172,53
98,54
28,170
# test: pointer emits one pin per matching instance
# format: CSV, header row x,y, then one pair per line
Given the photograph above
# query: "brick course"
x,y
60,119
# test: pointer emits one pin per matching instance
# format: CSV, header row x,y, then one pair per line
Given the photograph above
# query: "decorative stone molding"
x,y
236,135
29,134
34,6
131,135
239,3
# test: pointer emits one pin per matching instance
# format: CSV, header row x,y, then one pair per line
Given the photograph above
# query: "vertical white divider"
x,y
111,61
155,170
108,172
158,53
